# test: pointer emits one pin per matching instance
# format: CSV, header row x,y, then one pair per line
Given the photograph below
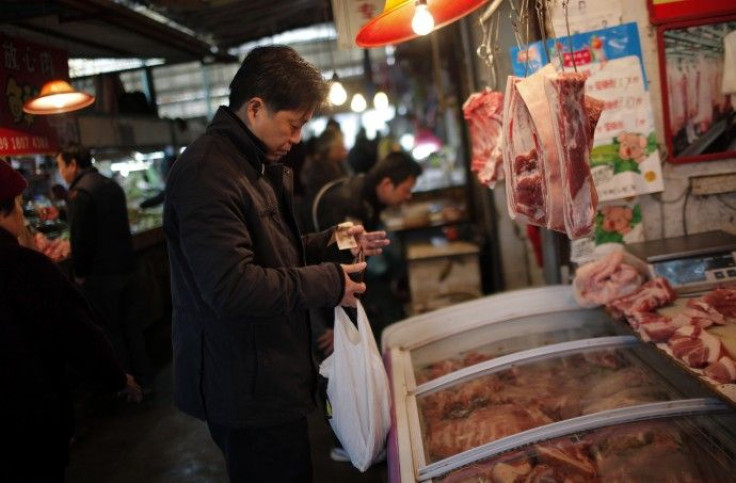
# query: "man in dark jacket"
x,y
45,323
102,255
362,198
243,277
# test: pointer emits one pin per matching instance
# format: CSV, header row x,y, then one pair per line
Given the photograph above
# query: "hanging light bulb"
x,y
394,24
358,104
380,100
423,22
337,95
57,97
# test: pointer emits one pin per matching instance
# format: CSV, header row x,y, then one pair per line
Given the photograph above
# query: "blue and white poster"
x,y
625,161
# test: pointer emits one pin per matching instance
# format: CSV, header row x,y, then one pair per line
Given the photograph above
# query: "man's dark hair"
x,y
396,166
7,206
77,152
279,76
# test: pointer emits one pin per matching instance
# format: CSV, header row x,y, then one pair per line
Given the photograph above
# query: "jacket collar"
x,y
7,238
227,123
81,175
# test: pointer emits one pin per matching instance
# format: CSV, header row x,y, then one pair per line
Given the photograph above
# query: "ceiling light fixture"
x,y
358,104
423,22
395,24
337,95
380,100
57,97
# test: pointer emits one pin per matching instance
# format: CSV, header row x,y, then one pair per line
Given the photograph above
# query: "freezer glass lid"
x,y
460,416
681,449
464,349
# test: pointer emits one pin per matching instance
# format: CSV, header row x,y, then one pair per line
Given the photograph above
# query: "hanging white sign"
x,y
350,16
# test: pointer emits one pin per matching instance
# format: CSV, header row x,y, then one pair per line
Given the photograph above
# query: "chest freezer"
x,y
479,380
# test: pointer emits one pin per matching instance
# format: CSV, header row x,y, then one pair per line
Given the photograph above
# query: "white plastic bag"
x,y
357,390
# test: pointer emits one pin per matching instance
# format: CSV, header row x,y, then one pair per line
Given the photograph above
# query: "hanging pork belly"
x,y
484,113
548,128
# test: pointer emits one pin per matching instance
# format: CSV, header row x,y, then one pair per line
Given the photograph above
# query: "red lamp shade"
x,y
393,26
57,97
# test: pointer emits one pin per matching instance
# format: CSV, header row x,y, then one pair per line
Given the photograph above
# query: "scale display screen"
x,y
684,271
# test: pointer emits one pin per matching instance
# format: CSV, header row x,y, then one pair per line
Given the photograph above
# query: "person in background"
x,y
361,199
364,153
103,261
244,278
45,324
327,163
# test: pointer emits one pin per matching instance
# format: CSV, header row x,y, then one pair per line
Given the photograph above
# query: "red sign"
x,y
662,11
24,68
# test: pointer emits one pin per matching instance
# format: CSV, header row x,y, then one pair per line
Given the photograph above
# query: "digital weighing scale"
x,y
690,263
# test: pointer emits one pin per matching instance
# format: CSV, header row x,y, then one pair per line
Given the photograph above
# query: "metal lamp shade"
x,y
393,26
57,97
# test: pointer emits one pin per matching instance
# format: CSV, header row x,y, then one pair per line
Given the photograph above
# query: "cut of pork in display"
x,y
529,395
525,186
574,141
484,113
672,450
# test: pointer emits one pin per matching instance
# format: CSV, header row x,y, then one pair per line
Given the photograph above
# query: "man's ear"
x,y
254,107
385,183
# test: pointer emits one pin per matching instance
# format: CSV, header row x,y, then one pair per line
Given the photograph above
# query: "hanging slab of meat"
x,y
525,187
531,90
572,134
484,113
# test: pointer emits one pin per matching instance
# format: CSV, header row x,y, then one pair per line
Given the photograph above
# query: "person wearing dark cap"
x,y
103,261
243,277
45,324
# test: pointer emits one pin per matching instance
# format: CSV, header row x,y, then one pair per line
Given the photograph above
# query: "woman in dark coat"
x,y
45,323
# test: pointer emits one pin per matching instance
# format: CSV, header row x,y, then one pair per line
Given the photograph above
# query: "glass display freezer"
x,y
483,383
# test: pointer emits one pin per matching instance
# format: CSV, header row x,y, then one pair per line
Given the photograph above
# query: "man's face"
x,y
14,221
66,171
279,130
393,195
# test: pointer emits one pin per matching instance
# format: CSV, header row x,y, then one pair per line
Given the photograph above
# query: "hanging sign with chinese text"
x,y
625,160
350,16
25,67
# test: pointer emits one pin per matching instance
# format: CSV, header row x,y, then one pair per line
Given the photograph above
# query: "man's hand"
x,y
370,243
132,392
326,342
352,289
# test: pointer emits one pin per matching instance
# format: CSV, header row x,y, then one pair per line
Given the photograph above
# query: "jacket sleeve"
x,y
82,232
210,209
73,324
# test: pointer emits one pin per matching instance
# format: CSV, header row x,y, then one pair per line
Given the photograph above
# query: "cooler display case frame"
x,y
517,328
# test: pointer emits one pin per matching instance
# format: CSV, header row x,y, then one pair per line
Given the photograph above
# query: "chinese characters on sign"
x,y
24,68
350,16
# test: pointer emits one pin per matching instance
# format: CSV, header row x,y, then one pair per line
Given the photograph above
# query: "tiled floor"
x,y
153,442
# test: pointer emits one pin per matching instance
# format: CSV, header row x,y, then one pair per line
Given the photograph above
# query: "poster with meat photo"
x,y
625,161
618,221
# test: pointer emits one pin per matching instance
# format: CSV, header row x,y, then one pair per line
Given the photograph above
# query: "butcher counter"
x,y
528,386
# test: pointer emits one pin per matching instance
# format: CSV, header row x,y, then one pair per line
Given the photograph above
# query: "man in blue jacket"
x,y
244,278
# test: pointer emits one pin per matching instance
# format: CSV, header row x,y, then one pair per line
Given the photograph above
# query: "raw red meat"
x,y
723,370
484,113
531,90
695,346
653,294
572,129
525,188
722,300
604,280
